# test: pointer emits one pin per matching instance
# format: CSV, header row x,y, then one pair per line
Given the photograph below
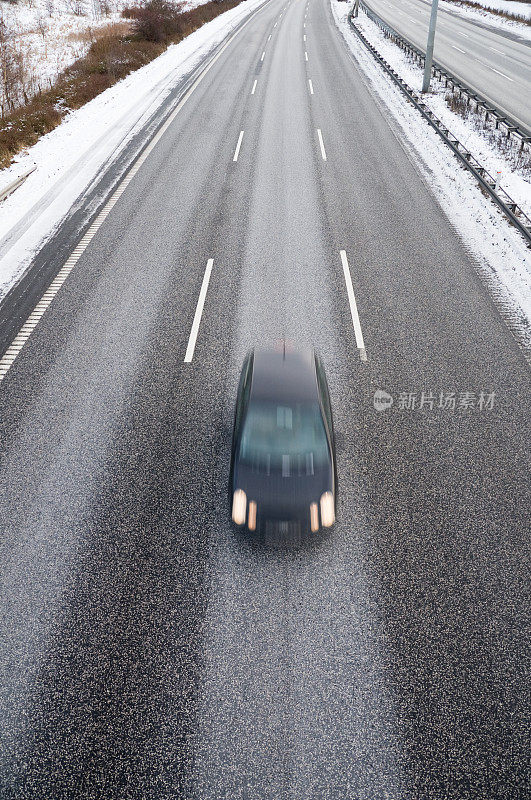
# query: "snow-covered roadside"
x,y
70,157
499,251
516,182
520,9
511,6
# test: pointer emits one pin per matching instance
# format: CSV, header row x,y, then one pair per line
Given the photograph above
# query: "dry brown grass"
x,y
89,35
517,156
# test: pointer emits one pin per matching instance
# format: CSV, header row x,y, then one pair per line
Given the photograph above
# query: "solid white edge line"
x,y
237,151
198,313
254,86
71,261
311,85
353,307
321,143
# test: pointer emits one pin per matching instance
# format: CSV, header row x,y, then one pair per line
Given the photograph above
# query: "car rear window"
x,y
281,438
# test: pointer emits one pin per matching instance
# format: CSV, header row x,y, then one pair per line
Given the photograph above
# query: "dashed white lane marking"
x,y
306,55
321,143
311,85
497,71
304,38
269,37
497,51
254,86
360,344
263,56
28,327
465,35
275,25
198,313
458,48
237,151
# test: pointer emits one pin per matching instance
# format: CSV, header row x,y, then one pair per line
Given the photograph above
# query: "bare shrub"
x,y
457,103
156,20
517,155
11,70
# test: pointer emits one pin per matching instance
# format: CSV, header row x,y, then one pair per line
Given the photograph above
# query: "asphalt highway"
x,y
493,61
147,650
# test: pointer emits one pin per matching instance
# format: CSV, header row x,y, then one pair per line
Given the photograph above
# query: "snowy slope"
x,y
49,35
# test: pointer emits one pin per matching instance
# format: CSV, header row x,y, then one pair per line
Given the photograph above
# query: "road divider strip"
x,y
360,344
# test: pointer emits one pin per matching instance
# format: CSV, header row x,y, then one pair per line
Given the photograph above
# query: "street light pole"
x,y
429,46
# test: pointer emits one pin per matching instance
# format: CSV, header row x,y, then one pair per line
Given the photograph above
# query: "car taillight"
x,y
239,506
314,517
251,521
328,513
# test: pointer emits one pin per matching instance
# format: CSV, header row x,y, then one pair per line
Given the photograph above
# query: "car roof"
x,y
284,376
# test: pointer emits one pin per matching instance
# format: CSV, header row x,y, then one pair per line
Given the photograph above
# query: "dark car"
x,y
283,473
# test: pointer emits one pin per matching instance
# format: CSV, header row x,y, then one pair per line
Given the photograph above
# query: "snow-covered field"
x,y
47,36
499,251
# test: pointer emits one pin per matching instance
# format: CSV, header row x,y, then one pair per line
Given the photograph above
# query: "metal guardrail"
x,y
498,117
486,181
10,188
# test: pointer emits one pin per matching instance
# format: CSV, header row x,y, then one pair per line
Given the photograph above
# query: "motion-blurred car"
x,y
283,467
